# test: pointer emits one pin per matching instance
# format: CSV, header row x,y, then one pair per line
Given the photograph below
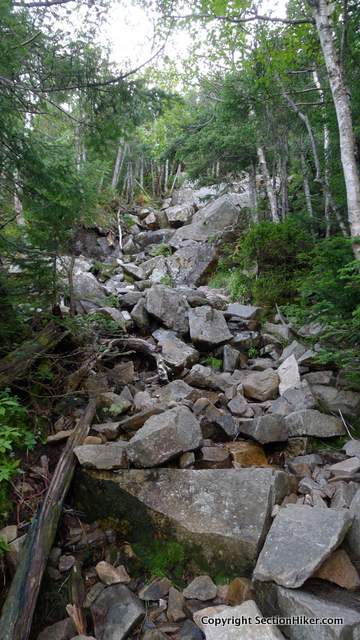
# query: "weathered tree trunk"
x,y
307,191
268,185
330,203
19,212
253,192
340,94
166,176
175,178
16,363
284,191
19,607
120,156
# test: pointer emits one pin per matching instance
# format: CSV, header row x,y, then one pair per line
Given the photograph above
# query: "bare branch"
x,y
44,3
252,18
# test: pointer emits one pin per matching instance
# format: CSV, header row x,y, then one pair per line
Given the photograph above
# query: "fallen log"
x,y
19,607
149,350
16,363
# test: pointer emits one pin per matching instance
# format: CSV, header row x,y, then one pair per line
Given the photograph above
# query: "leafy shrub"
x,y
160,250
213,362
15,435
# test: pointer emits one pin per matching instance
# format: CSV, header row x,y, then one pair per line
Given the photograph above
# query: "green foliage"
x,y
160,250
213,362
166,280
128,220
162,558
4,547
15,435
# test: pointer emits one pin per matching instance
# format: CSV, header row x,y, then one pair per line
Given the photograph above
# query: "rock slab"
x,y
301,538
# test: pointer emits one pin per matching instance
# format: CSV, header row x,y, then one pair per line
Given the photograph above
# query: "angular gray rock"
x,y
333,399
311,422
261,385
208,327
295,348
175,391
176,353
201,588
353,537
210,222
300,539
245,312
111,455
192,264
88,292
134,271
322,601
179,214
140,316
169,307
62,630
230,358
164,436
300,397
265,429
116,612
289,374
184,504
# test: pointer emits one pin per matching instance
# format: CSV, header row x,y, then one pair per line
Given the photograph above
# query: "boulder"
x,y
156,590
111,575
116,612
265,429
210,222
310,422
134,271
240,622
339,569
300,397
280,331
169,307
245,312
333,399
230,358
183,504
261,385
62,630
179,214
295,349
140,316
159,236
102,456
306,537
353,537
175,391
289,374
175,610
176,353
88,292
318,602
164,436
201,588
208,327
192,264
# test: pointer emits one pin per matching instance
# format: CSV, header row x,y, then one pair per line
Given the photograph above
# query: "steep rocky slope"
x,y
227,448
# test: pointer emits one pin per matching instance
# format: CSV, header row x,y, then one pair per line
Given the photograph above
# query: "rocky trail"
x,y
215,434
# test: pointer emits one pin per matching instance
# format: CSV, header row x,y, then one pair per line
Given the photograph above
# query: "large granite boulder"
x,y
210,222
300,539
265,429
289,374
208,327
192,264
310,422
223,515
169,306
164,436
315,601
